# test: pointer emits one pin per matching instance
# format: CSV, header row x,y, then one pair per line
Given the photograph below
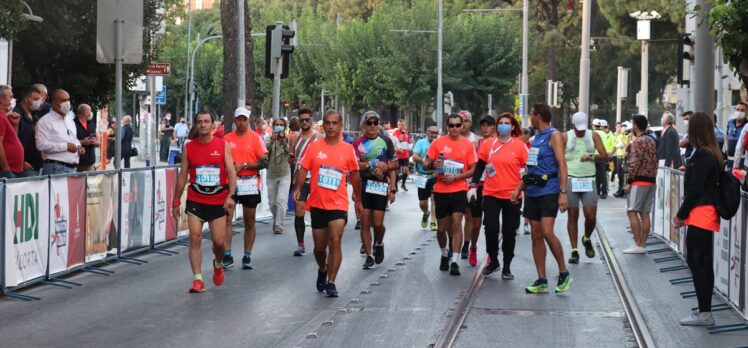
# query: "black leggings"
x,y
510,213
699,249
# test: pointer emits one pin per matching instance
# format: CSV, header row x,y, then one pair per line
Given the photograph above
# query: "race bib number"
x,y
532,156
582,185
208,175
329,178
453,167
247,185
377,187
421,181
490,172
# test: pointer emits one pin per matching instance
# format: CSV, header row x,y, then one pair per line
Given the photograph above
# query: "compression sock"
x,y
298,224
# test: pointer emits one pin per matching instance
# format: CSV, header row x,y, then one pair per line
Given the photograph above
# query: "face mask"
x,y
504,129
739,115
685,122
90,116
279,129
36,105
65,108
13,103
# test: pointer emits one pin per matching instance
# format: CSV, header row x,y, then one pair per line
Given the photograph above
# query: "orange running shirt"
x,y
703,216
503,165
459,155
246,148
330,166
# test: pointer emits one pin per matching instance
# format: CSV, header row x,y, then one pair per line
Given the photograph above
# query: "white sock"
x,y
445,252
455,257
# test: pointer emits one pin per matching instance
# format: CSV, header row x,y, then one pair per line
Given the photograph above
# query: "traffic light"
x,y
280,41
686,46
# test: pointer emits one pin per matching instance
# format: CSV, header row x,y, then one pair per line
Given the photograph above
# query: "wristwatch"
x,y
563,191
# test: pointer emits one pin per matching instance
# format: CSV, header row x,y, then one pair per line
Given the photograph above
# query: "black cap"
x,y
488,120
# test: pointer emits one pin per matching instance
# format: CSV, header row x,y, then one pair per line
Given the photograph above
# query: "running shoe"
x,y
540,285
444,265
404,188
331,291
464,251
247,263
433,225
228,261
473,257
321,280
300,251
507,274
454,269
378,253
362,251
588,249
197,286
358,225
574,256
490,268
369,262
527,228
698,319
564,282
217,273
425,221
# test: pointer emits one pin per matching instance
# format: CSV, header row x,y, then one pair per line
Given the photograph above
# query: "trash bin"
x,y
172,155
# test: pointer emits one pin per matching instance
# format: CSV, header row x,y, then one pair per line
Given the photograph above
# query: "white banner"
x,y
721,257
26,231
101,212
667,209
659,211
736,262
263,209
137,209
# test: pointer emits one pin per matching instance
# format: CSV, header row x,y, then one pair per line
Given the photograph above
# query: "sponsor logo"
x,y
215,153
447,149
321,155
26,218
60,235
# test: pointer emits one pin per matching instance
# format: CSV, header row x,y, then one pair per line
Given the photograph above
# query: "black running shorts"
x,y
541,207
320,217
449,203
205,212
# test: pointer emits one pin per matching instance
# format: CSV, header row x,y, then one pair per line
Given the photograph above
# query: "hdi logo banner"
x,y
26,216
27,224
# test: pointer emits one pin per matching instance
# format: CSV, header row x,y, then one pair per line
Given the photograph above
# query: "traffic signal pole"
x,y
277,71
703,72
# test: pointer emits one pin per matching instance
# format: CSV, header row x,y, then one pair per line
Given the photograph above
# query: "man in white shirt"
x,y
181,130
56,137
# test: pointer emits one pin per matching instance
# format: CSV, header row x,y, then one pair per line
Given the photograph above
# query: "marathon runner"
x,y
581,144
331,161
425,178
545,194
500,160
467,125
454,158
298,145
487,127
208,164
403,157
378,169
250,155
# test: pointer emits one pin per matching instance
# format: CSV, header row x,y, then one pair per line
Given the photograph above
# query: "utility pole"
x,y
439,47
643,35
584,60
524,84
703,74
241,90
187,61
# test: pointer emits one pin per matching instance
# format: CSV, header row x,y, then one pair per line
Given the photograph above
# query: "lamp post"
x,y
192,71
643,35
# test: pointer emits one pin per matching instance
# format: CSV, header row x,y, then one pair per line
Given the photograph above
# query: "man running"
x,y
250,155
298,145
581,144
487,128
403,157
425,178
210,168
377,168
331,162
467,133
454,158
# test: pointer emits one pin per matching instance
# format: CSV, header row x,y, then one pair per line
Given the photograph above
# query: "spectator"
x,y
734,128
293,124
11,153
127,133
668,149
278,174
181,130
56,139
45,106
30,111
641,179
260,125
167,133
85,131
110,137
219,131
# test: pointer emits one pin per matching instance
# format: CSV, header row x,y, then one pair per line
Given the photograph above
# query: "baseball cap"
x,y
626,125
603,123
242,111
579,120
596,122
466,115
487,120
368,115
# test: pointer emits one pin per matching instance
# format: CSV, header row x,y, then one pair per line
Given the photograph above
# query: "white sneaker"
x,y
277,229
634,249
698,319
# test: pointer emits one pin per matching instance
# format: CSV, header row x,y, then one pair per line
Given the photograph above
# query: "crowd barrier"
x,y
55,225
730,261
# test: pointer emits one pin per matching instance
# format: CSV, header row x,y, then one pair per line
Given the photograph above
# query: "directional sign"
x,y
158,69
161,96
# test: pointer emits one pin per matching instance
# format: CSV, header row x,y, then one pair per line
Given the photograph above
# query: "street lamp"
x,y
643,35
192,72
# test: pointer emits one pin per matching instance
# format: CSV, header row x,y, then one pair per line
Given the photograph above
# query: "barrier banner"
x,y
674,204
182,227
263,209
737,227
101,216
721,256
165,228
659,211
666,219
137,209
68,217
26,231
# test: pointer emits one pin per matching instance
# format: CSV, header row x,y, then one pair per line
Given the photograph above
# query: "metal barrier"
x,y
730,261
58,224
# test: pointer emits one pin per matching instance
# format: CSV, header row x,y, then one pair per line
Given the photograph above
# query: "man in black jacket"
x,y
669,149
86,134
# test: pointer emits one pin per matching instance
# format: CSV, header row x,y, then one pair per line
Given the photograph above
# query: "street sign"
x,y
129,14
161,96
158,69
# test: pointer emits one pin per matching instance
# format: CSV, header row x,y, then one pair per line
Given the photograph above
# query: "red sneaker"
x,y
473,257
197,286
217,275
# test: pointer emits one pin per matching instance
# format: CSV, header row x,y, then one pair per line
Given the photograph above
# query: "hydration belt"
x,y
208,190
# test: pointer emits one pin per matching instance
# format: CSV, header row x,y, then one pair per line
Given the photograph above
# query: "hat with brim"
x,y
242,112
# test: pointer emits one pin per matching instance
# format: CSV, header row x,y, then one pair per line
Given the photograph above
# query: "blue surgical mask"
x,y
504,129
278,129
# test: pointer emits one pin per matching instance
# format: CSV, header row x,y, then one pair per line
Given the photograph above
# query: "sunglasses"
x,y
372,123
305,120
455,125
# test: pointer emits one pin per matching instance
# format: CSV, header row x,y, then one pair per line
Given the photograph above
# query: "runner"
x,y
377,168
403,157
208,164
330,161
298,144
425,178
500,159
250,155
545,194
487,127
467,125
454,158
581,144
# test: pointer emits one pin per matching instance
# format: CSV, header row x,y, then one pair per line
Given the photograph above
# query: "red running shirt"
x,y
403,137
330,166
207,167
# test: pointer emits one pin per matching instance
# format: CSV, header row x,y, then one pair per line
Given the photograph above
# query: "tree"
x,y
729,24
229,18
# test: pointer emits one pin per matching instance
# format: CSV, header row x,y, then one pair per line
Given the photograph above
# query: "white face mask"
x,y
12,104
36,105
65,107
685,122
739,115
90,116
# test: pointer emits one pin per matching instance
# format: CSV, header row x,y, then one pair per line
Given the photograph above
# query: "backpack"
x,y
727,197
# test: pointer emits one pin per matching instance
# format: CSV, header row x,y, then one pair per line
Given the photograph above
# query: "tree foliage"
x,y
729,23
